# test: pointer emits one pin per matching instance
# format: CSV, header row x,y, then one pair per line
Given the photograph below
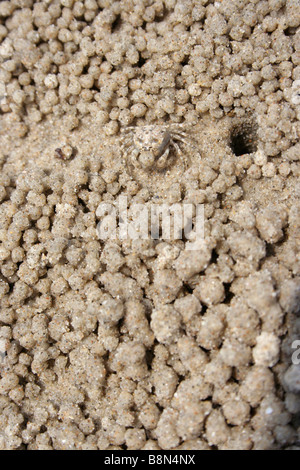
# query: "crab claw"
x,y
146,159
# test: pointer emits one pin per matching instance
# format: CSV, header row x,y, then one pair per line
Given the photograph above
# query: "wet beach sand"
x,y
128,344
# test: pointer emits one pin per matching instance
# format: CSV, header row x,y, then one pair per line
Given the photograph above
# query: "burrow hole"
x,y
243,138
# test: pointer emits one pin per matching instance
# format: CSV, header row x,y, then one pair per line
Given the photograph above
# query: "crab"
x,y
153,146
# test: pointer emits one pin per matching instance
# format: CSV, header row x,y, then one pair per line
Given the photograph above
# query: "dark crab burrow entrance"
x,y
243,138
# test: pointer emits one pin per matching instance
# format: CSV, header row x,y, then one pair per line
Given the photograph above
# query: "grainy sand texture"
x,y
124,343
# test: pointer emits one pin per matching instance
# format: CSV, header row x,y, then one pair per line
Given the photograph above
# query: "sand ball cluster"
x,y
126,61
129,344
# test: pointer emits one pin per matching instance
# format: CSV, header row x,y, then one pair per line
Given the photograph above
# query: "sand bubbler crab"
x,y
153,146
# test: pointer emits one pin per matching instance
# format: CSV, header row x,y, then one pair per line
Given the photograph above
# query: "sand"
x,y
123,343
